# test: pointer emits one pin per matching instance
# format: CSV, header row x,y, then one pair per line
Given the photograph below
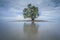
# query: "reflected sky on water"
x,y
29,31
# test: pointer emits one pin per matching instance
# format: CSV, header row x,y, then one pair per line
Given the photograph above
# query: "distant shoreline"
x,y
29,21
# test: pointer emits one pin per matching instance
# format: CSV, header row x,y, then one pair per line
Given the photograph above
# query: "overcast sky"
x,y
12,8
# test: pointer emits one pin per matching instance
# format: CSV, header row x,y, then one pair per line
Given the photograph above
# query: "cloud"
x,y
56,2
15,7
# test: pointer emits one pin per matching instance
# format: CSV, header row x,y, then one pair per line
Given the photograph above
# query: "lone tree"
x,y
31,12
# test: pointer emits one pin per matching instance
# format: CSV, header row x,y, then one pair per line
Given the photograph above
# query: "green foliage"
x,y
30,12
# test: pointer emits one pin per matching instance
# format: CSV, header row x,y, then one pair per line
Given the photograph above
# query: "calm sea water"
x,y
29,31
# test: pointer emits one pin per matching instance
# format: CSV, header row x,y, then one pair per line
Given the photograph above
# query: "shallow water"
x,y
29,31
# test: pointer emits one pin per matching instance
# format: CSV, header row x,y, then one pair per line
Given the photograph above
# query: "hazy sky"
x,y
12,8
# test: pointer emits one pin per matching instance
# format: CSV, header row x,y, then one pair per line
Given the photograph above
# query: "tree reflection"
x,y
30,30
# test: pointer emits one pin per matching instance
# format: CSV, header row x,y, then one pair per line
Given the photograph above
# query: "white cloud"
x,y
14,10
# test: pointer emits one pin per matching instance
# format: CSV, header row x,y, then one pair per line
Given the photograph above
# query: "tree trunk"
x,y
32,20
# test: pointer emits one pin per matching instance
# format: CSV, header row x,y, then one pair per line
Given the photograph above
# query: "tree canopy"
x,y
31,12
